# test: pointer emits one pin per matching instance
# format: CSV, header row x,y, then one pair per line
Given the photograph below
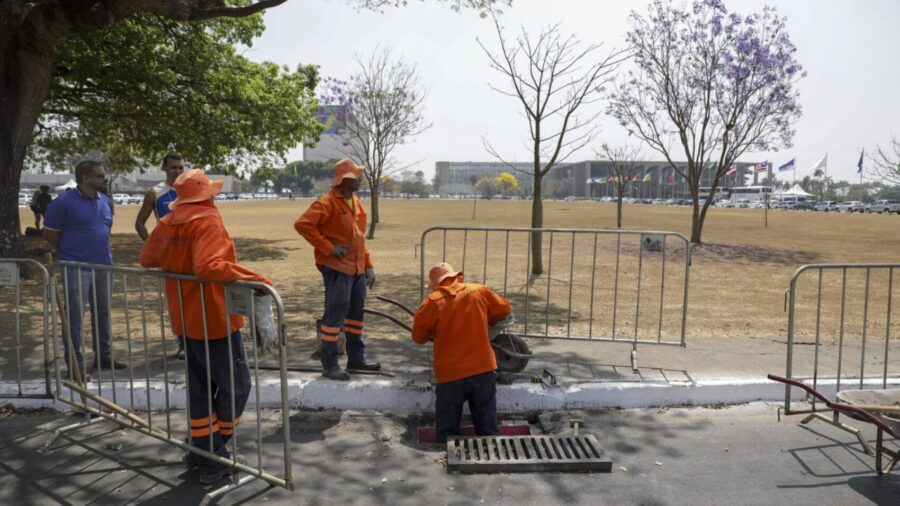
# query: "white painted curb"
x,y
409,397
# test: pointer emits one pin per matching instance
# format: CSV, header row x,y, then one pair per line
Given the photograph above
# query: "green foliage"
x,y
149,85
303,176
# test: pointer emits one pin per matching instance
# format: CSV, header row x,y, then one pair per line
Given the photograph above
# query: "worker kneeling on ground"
x,y
455,316
192,240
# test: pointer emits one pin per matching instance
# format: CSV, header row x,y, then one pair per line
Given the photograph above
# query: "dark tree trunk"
x,y
537,221
373,220
24,82
619,210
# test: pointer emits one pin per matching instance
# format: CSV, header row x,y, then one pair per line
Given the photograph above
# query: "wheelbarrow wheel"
x,y
511,351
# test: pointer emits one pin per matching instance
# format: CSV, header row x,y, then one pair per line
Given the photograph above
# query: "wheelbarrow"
x,y
511,350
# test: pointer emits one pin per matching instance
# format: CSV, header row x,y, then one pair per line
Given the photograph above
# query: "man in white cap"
x,y
335,225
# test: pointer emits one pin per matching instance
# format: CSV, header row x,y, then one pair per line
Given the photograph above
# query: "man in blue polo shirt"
x,y
78,225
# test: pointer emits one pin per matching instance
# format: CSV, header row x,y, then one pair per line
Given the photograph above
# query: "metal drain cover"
x,y
525,454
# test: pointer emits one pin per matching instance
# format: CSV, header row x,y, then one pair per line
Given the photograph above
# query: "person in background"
x,y
455,316
156,202
78,225
39,203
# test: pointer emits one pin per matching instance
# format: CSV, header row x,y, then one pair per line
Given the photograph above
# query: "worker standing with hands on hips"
x,y
455,316
335,225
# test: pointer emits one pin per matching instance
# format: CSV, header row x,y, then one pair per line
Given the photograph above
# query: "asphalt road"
x,y
686,456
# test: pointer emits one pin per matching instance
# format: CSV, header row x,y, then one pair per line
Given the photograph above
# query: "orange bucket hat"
x,y
344,169
440,272
195,186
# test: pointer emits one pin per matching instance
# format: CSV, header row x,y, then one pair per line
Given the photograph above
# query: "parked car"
x,y
883,206
803,205
851,206
120,198
827,206
759,204
742,203
570,198
725,203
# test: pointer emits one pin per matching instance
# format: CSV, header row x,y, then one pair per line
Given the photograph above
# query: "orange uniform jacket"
x,y
192,240
330,221
456,317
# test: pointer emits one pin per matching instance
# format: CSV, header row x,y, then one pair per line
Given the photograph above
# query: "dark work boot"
x,y
356,354
330,367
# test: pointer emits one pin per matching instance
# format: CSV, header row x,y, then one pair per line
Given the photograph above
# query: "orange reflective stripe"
x,y
327,337
353,322
226,432
333,330
352,330
199,422
226,423
204,431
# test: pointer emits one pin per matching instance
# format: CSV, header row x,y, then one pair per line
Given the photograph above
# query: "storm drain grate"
x,y
523,454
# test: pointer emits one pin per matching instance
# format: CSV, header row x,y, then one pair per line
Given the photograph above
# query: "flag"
x,y
822,164
672,178
647,178
791,165
731,170
762,167
860,164
637,179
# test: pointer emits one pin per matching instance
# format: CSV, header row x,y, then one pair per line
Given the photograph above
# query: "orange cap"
x,y
195,186
344,169
440,272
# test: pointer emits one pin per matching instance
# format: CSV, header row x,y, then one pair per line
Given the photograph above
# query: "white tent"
x,y
796,191
68,186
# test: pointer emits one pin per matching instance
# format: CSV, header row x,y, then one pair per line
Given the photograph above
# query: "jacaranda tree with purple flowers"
x,y
708,85
379,108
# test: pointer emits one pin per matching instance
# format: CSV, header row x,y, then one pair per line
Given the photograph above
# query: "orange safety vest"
x,y
456,317
329,221
192,240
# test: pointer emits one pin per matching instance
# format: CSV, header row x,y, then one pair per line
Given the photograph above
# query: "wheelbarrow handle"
x,y
396,303
389,317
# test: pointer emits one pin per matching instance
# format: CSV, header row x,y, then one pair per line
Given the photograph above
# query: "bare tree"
x,y
621,160
380,108
554,77
710,85
886,162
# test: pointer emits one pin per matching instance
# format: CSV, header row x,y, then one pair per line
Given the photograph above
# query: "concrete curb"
x,y
410,397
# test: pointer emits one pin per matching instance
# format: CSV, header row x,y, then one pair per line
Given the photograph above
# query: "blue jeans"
x,y
82,288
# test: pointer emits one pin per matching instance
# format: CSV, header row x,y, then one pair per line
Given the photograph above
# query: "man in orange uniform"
x,y
192,240
456,315
336,227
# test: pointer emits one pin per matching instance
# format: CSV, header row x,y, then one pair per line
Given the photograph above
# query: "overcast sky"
x,y
850,49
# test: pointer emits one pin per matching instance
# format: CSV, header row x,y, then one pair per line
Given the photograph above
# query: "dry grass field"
x,y
738,277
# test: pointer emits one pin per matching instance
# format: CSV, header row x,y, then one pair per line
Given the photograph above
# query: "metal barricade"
x,y
839,332
143,395
598,285
24,335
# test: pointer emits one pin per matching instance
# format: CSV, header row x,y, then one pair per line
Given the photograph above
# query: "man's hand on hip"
x,y
339,250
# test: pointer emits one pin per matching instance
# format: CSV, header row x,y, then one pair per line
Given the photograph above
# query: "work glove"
x,y
370,278
339,250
